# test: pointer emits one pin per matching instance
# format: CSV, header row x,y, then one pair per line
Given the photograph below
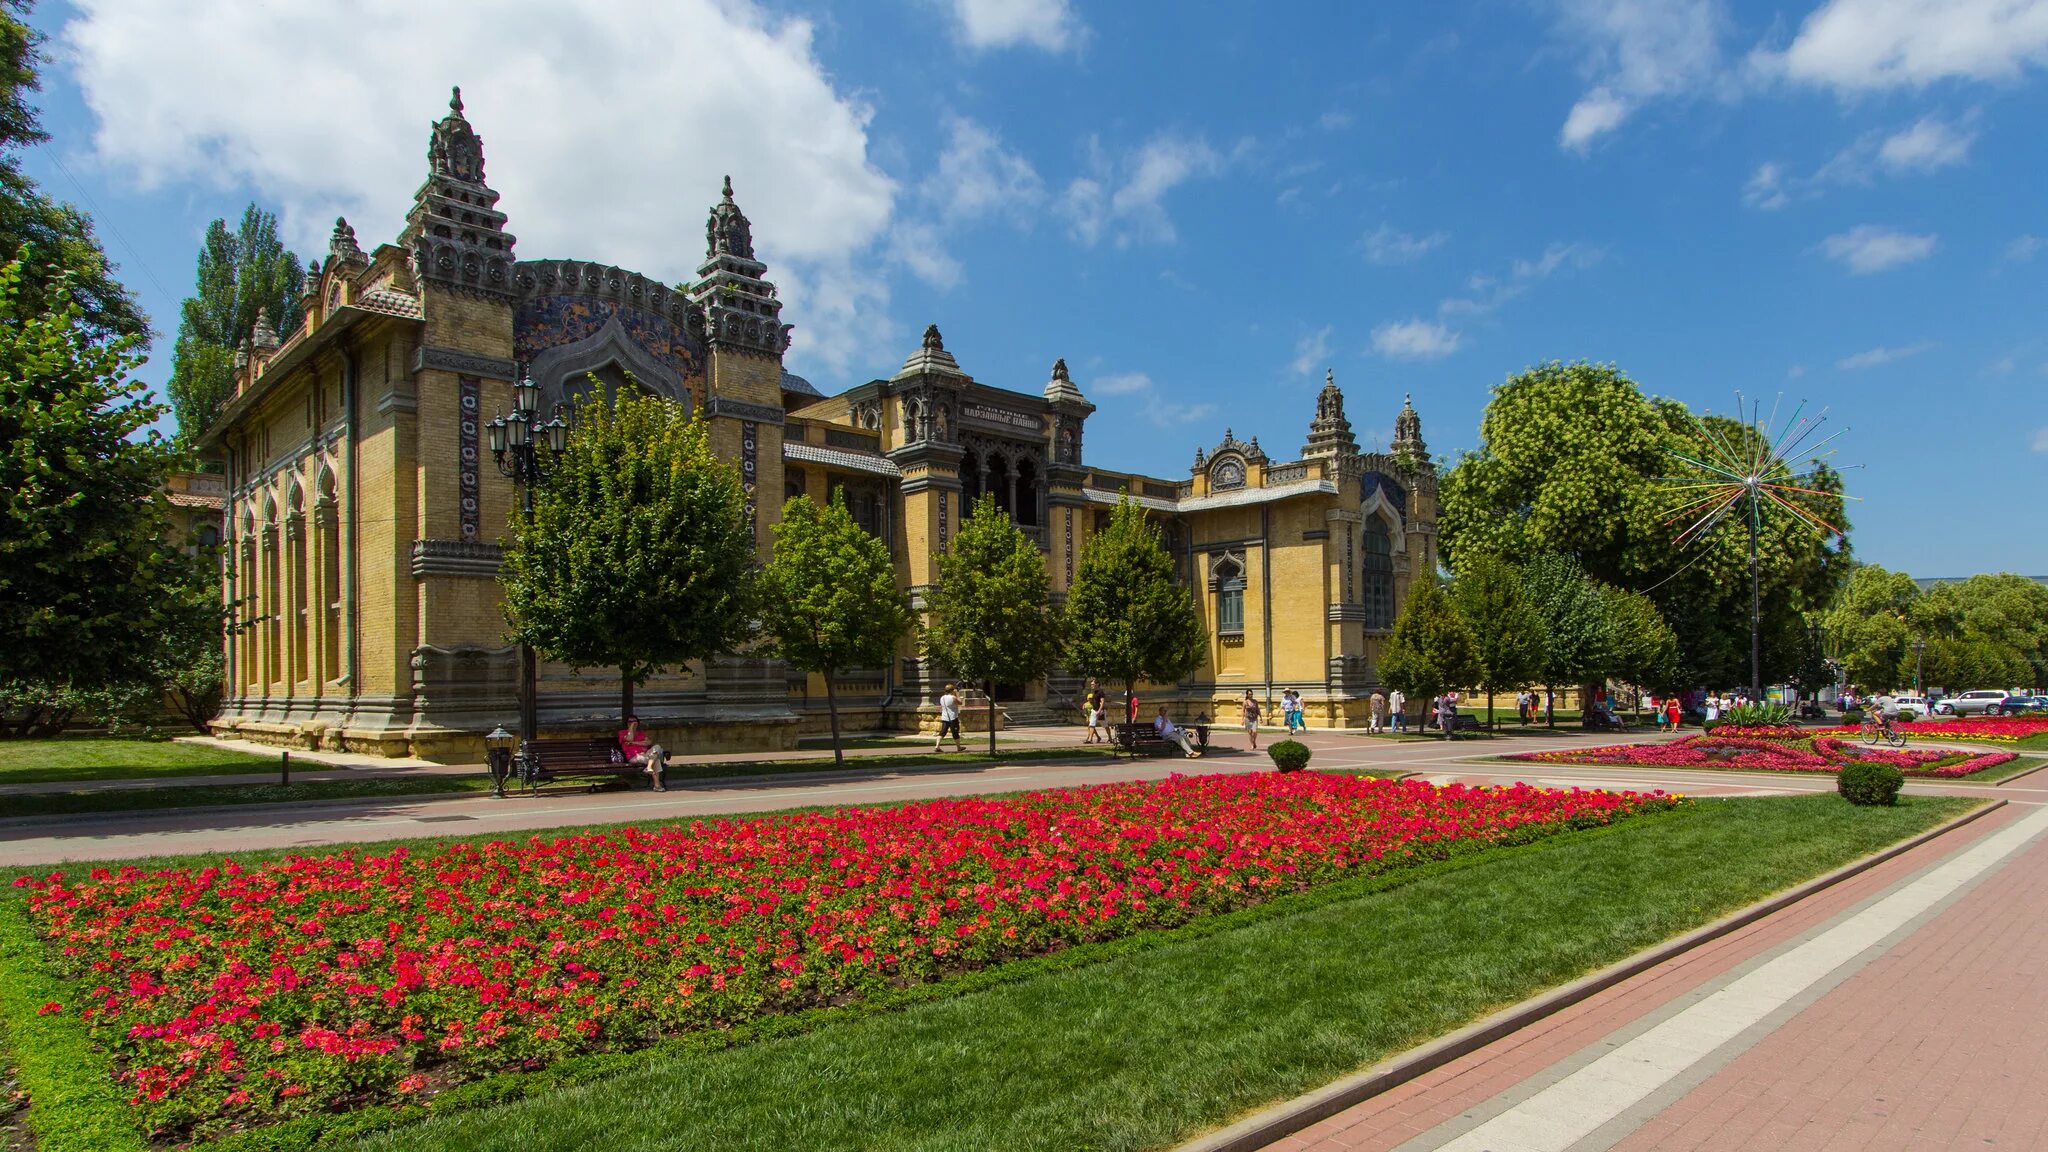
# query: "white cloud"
x,y
1795,372
1125,198
2024,248
1047,24
1881,355
919,247
1489,292
1121,384
2004,366
1929,144
1856,46
1333,121
1766,188
1868,248
1635,51
2040,441
609,149
1390,245
1415,339
1312,351
976,177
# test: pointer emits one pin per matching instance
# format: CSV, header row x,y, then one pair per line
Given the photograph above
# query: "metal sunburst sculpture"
x,y
1748,478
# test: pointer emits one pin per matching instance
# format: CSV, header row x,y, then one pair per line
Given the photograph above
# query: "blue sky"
x,y
1202,207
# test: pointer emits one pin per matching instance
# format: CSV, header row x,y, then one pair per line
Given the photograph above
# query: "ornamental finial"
x,y
455,100
932,342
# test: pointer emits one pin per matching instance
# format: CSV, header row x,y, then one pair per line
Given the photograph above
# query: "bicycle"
x,y
1880,728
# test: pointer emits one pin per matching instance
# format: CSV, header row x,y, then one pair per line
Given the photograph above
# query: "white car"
x,y
1917,705
1978,703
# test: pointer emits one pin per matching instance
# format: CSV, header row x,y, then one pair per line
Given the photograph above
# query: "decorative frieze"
x,y
430,358
741,410
456,558
990,414
750,463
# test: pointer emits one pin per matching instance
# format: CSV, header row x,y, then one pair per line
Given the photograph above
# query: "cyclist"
x,y
1882,715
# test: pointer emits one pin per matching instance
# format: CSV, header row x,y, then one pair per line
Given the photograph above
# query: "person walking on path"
x,y
949,721
639,748
1376,719
1447,714
1671,712
1290,703
1174,734
1250,704
1091,708
1397,704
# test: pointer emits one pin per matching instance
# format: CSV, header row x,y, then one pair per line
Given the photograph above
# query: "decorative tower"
x,y
455,232
739,304
1408,446
1329,435
342,249
1065,477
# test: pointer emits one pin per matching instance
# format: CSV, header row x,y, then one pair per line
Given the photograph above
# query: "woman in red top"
x,y
1671,712
640,748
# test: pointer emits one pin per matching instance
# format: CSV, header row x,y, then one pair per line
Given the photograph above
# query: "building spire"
x,y
1329,434
739,304
455,233
1408,443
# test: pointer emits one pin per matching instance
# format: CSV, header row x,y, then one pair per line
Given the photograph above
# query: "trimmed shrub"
x,y
1870,784
1289,755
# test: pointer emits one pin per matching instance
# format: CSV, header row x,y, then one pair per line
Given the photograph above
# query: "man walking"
x,y
1091,707
1376,718
949,721
1447,714
1398,703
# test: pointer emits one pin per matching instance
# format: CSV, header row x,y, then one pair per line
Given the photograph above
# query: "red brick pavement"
x,y
1408,1111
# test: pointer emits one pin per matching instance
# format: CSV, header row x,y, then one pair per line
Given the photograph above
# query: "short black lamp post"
x,y
518,439
1919,652
498,755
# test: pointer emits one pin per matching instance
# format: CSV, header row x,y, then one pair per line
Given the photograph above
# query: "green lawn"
x,y
1180,1032
103,758
1989,775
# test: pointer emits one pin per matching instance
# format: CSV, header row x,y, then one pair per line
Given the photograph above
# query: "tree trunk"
x,y
625,695
1549,707
1489,711
989,687
832,710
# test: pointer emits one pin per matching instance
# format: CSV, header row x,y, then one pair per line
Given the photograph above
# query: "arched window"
x,y
1378,583
1027,493
970,482
328,525
300,574
999,477
1226,576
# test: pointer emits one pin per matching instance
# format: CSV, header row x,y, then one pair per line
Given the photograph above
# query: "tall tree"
x,y
83,527
1431,650
1509,633
1569,463
241,274
61,237
1578,642
1127,618
990,618
829,597
1641,648
639,553
1869,626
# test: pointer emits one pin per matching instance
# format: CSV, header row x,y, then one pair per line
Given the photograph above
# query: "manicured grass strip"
x,y
1166,1041
106,758
74,1104
2003,771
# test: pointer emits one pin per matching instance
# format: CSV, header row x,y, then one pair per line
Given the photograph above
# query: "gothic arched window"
x,y
1226,576
1378,583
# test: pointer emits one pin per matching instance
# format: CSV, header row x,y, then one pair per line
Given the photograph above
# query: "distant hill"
x,y
1926,582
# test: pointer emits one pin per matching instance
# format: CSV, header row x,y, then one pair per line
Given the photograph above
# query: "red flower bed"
x,y
234,995
1806,753
1998,728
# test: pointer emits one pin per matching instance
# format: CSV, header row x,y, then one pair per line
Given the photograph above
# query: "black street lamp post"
x,y
1919,651
518,438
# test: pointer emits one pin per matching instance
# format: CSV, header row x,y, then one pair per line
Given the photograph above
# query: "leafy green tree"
x,y
83,526
990,620
66,253
1578,640
1508,631
2002,615
1642,649
638,554
189,667
241,274
829,598
1127,618
1569,463
1869,626
1815,671
1431,650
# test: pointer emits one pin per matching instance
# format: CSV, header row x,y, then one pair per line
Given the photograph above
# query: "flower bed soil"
x,y
235,996
1774,750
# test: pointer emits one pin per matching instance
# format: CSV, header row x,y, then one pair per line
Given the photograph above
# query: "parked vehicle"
x,y
2014,704
1916,705
1982,702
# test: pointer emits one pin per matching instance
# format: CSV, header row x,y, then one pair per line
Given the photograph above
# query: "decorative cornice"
x,y
741,410
397,401
1340,613
455,558
431,358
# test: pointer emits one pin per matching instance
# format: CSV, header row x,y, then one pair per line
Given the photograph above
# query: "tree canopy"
x,y
638,554
989,618
241,273
1509,632
1431,650
829,598
1569,463
1128,619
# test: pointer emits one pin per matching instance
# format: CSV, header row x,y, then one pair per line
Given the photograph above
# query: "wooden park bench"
x,y
547,761
1143,740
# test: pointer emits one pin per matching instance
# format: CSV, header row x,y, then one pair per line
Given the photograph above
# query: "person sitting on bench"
x,y
639,748
1174,734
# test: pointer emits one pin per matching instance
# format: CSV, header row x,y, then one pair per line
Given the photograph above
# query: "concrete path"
x,y
1906,1008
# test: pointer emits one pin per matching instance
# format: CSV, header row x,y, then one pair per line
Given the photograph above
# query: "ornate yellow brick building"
x,y
362,523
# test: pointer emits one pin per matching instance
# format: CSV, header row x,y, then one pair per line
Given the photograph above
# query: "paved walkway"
x,y
1906,1008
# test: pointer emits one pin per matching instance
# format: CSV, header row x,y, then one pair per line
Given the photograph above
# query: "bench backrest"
x,y
579,752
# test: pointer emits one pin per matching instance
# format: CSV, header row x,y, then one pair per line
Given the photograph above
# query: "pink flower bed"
x,y
1773,754
1995,728
234,996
